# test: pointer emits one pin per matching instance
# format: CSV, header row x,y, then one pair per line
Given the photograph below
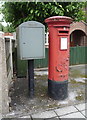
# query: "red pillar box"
x,y
58,68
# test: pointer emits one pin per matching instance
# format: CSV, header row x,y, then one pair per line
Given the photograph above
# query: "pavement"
x,y
75,111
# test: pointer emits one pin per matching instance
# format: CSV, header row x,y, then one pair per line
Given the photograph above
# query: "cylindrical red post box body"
x,y
58,68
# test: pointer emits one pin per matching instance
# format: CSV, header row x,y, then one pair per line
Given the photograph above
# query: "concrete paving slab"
x,y
72,119
80,106
15,118
0,116
46,114
65,110
56,118
38,119
12,114
84,112
73,115
27,116
85,105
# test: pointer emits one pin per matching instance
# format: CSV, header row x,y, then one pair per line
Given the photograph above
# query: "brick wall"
x,y
78,30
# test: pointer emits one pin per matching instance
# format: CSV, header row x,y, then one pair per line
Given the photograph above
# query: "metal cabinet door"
x,y
32,42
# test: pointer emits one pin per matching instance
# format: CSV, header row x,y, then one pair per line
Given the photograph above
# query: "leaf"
x,y
31,11
18,12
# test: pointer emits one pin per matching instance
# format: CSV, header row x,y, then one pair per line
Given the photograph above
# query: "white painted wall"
x,y
4,104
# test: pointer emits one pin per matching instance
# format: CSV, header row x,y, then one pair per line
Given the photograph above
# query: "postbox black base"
x,y
58,90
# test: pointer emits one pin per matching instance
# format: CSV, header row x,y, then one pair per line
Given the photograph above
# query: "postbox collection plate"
x,y
63,43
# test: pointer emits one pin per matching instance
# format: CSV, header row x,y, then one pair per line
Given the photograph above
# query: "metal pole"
x,y
31,78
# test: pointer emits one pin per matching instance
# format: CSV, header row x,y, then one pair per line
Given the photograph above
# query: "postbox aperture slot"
x,y
63,43
63,32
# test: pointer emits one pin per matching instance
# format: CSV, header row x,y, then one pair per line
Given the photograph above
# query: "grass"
x,y
72,81
80,96
75,74
41,77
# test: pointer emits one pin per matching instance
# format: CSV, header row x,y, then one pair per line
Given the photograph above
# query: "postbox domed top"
x,y
59,18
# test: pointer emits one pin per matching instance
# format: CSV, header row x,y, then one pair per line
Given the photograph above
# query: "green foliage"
x,y
1,27
18,12
76,11
9,28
